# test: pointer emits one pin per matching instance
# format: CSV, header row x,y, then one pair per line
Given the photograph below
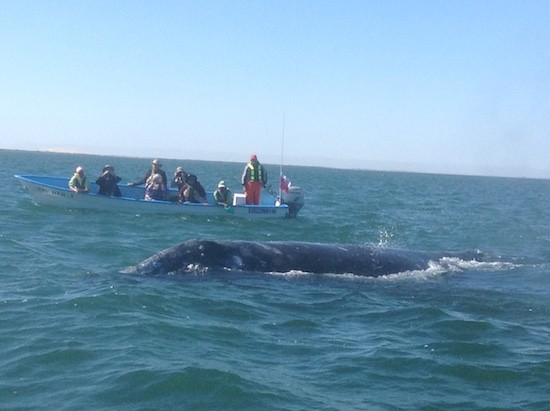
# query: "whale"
x,y
196,255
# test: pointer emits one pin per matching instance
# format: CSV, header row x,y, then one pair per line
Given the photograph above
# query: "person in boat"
x,y
180,178
253,180
107,182
155,169
155,188
79,182
194,192
223,195
180,182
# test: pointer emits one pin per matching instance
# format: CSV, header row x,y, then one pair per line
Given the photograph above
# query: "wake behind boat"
x,y
54,191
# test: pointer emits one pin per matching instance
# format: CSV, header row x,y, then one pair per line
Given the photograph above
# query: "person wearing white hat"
x,y
78,182
223,195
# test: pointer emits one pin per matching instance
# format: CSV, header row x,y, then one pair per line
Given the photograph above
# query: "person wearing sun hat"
x,y
253,180
223,195
79,182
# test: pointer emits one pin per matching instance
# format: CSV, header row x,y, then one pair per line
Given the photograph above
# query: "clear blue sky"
x,y
457,87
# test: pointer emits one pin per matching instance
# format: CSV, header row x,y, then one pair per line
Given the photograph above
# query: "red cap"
x,y
253,157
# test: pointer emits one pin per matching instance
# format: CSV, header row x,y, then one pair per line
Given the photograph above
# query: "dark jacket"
x,y
108,185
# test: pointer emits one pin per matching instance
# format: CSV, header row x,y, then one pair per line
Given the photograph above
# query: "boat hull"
x,y
54,191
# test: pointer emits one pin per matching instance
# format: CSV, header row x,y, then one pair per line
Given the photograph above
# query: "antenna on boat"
x,y
282,152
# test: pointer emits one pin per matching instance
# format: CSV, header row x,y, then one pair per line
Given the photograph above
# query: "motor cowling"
x,y
294,198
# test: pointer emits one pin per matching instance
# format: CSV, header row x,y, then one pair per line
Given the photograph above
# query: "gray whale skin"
x,y
284,256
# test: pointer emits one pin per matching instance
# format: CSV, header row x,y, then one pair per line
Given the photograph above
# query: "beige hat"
x,y
221,184
155,161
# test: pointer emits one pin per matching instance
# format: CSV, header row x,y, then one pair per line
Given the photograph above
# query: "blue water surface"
x,y
461,335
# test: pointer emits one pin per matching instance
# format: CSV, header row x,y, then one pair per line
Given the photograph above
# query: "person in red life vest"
x,y
253,180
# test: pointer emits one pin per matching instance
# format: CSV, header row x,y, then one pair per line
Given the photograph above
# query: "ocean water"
x,y
461,335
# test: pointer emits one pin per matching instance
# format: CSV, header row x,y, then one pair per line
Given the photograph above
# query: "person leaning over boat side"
x,y
155,188
79,182
107,182
253,180
194,192
155,169
223,195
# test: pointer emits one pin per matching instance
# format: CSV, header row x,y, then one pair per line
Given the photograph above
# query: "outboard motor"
x,y
294,198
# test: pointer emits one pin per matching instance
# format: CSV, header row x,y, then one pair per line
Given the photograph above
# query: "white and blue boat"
x,y
54,191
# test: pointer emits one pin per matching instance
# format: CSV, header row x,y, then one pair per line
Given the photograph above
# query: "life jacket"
x,y
80,183
258,177
221,196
